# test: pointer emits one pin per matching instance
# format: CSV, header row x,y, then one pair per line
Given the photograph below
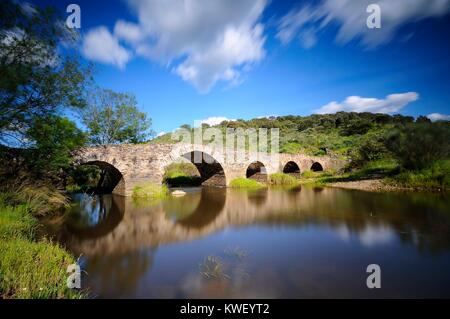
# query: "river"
x,y
274,243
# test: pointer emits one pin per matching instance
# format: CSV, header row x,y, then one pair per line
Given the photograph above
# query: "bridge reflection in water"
x,y
301,242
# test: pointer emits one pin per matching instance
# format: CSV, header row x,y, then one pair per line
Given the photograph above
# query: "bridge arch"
x,y
111,179
257,171
211,171
316,167
291,167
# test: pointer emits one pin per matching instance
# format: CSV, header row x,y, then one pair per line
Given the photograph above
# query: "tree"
x,y
112,117
36,81
53,138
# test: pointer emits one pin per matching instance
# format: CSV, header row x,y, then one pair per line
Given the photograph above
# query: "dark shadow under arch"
x,y
316,167
211,171
257,171
110,179
291,167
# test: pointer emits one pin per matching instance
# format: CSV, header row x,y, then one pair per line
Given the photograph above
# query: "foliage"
x,y
319,134
83,178
282,179
112,117
54,139
37,81
418,145
243,182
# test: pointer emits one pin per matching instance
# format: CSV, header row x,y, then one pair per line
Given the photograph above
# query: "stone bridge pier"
x,y
133,164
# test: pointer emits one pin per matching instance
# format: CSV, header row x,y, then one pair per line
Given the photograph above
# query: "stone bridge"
x,y
129,165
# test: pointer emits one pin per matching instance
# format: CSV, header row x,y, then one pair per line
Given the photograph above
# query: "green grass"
x,y
34,270
435,177
40,199
282,179
243,182
150,191
30,268
17,222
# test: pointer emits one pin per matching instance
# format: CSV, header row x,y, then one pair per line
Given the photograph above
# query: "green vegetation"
x,y
30,267
243,182
113,117
434,177
150,191
181,174
282,179
40,198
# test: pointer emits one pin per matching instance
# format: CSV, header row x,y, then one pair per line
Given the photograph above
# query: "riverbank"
x,y
386,176
31,266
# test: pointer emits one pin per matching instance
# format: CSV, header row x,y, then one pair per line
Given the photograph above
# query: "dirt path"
x,y
370,185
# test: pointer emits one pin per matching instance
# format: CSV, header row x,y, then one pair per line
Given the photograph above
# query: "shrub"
x,y
418,145
282,179
243,182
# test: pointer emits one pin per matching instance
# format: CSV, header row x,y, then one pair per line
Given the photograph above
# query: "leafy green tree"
x,y
36,81
418,145
53,138
112,117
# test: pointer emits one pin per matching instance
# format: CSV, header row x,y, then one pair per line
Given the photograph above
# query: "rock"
x,y
178,193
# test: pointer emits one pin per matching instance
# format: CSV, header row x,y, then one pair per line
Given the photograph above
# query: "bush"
x,y
282,179
418,145
243,182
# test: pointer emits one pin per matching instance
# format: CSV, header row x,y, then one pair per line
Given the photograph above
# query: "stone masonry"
x,y
139,163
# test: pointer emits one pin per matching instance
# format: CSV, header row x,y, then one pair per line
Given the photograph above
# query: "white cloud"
x,y
201,41
438,117
392,103
351,16
128,31
160,134
215,120
100,45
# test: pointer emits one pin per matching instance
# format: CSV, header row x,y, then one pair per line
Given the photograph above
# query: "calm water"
x,y
296,243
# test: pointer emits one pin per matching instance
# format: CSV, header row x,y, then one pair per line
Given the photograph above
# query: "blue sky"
x,y
194,60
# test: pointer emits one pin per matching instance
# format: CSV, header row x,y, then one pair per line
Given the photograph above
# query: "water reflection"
x,y
301,242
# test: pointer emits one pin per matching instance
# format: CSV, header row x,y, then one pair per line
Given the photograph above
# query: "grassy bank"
x,y
246,183
279,179
30,267
436,177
